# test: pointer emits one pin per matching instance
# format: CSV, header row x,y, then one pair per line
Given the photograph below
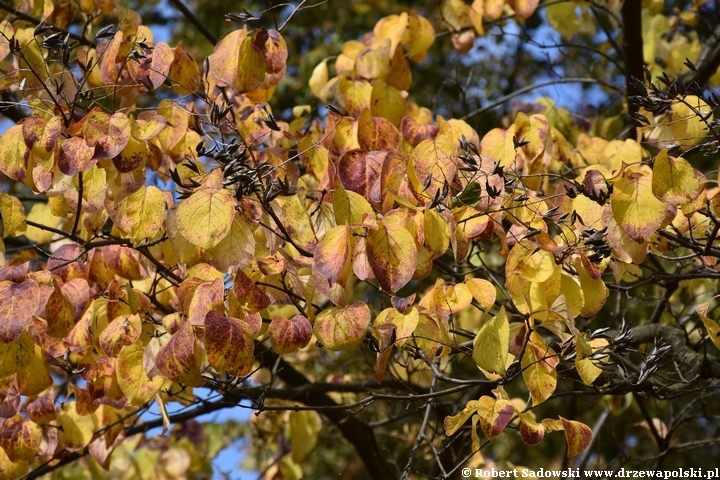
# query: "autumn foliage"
x,y
173,244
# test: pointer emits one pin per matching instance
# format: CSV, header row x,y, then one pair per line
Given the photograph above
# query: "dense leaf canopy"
x,y
366,223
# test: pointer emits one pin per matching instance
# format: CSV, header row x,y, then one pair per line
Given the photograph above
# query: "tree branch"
x,y
190,16
633,47
358,433
708,61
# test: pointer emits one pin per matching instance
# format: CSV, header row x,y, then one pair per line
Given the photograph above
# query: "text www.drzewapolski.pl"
x,y
576,473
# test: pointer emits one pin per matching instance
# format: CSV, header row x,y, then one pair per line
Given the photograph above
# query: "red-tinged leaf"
x,y
178,119
106,134
342,328
41,136
415,133
359,170
376,133
495,415
16,354
148,126
228,342
392,253
184,72
523,8
290,335
108,55
154,68
59,313
124,262
75,155
538,372
42,409
84,402
122,331
15,274
332,253
14,153
206,297
275,52
249,293
206,217
531,432
20,438
179,359
20,300
77,291
238,62
436,159
67,263
578,436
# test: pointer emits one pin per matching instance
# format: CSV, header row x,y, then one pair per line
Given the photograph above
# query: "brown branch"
x,y
708,61
633,48
355,431
36,21
190,16
706,366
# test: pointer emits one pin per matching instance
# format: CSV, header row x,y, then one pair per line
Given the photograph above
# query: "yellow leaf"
x,y
528,260
34,378
132,377
482,291
13,216
392,254
16,354
319,79
491,345
390,28
453,423
434,159
297,223
387,102
342,328
141,214
562,17
437,233
627,249
76,430
498,145
405,323
674,180
13,153
637,211
538,363
236,249
422,35
206,217
304,429
688,123
42,213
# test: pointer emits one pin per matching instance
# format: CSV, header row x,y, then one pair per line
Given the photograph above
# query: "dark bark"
x,y
633,48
